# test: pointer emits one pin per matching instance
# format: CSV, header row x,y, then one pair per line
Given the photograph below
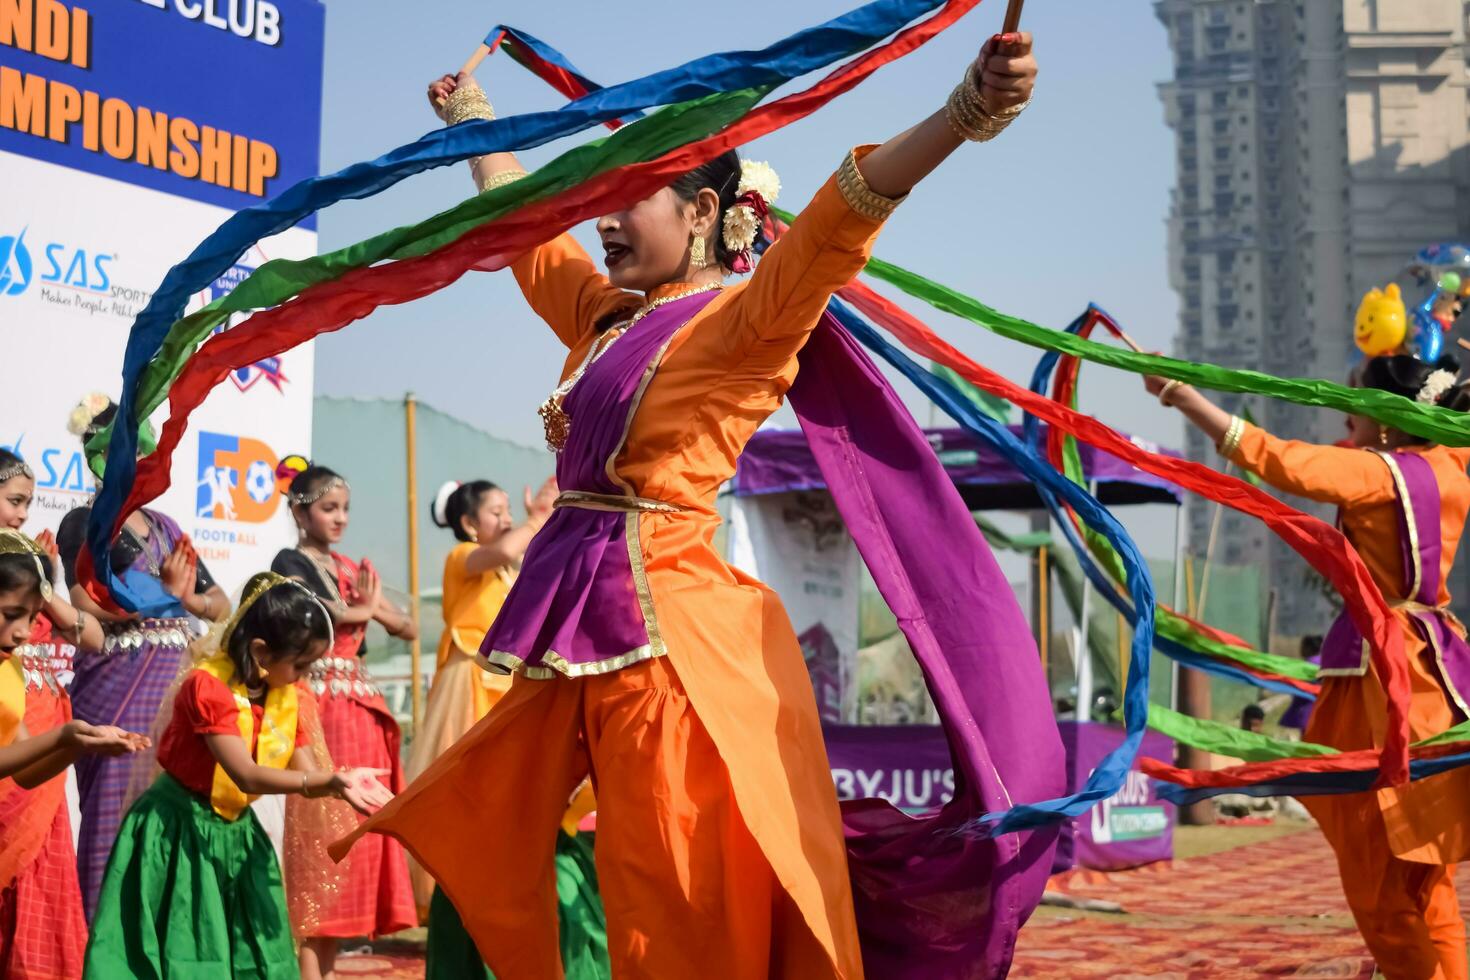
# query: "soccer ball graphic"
x,y
260,481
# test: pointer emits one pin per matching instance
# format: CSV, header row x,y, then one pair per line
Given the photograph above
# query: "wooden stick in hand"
x,y
481,53
1013,17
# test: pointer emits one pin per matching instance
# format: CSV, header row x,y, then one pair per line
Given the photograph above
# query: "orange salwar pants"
x,y
686,889
1407,912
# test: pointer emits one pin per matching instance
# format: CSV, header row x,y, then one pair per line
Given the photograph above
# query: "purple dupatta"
x,y
930,901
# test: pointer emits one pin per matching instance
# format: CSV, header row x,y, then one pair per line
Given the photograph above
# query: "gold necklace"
x,y
554,417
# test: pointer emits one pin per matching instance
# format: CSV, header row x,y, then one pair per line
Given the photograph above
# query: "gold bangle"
x,y
970,118
1231,441
467,103
1167,390
498,180
859,196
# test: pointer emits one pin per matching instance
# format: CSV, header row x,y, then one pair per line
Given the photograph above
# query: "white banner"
x,y
798,544
81,254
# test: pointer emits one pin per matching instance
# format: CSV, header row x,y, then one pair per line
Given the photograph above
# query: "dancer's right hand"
x,y
180,572
369,586
540,506
361,789
441,88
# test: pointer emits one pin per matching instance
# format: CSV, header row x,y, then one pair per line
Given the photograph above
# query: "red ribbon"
x,y
1319,543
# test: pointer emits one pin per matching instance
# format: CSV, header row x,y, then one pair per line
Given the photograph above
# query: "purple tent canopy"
x,y
778,460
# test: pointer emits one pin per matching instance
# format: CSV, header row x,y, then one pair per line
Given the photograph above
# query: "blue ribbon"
x,y
1108,777
539,49
793,56
1173,649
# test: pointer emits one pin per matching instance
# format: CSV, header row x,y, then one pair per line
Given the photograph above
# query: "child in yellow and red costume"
x,y
193,887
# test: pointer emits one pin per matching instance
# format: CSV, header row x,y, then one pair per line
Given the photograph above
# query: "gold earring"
x,y
1383,437
696,253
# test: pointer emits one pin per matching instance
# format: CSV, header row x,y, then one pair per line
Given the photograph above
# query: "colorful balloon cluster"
x,y
1384,321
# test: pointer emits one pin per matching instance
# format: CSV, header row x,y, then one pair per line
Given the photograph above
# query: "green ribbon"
x,y
1221,739
1441,425
276,281
1022,543
992,406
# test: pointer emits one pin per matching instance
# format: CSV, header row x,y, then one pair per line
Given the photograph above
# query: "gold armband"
x,y
859,196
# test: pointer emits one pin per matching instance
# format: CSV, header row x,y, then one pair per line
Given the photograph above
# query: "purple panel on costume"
x,y
931,902
1342,649
1423,490
575,595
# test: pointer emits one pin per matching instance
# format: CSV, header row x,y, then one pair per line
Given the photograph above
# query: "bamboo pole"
x,y
1043,630
1190,606
415,647
1204,575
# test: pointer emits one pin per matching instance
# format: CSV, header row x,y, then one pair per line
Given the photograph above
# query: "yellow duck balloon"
x,y
1382,321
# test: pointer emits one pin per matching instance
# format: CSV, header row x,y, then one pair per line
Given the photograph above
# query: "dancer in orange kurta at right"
x,y
1403,503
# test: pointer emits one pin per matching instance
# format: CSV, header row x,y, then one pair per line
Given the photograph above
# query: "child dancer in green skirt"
x,y
193,888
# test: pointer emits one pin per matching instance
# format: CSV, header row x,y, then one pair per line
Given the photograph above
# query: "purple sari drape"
x,y
123,686
932,902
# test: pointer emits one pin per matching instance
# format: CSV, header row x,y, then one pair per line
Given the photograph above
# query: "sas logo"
x,y
58,469
15,264
237,479
75,268
268,370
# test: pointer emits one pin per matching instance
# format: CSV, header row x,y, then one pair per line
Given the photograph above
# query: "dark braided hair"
x,y
287,618
18,573
312,478
1404,374
721,175
462,503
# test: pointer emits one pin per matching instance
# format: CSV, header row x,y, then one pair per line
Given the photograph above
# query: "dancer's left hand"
x,y
1007,71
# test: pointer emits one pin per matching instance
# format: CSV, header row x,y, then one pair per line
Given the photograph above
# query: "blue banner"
x,y
214,100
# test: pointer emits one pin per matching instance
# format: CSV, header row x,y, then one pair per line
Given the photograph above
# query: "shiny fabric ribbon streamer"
x,y
789,58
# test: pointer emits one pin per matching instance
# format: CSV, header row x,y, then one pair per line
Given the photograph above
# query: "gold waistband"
x,y
583,500
1418,608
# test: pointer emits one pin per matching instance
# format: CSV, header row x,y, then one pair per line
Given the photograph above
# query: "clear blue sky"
x,y
1068,206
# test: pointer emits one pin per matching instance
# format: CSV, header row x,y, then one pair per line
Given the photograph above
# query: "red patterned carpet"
x,y
1265,909
1268,909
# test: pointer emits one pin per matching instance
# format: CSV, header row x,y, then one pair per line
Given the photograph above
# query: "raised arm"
x,y
559,279
507,549
1328,474
831,240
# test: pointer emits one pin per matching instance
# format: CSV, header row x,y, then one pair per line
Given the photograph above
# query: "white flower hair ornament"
x,y
1434,387
87,409
757,191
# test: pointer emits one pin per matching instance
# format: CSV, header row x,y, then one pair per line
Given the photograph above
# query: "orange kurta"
x,y
1395,847
729,711
462,693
